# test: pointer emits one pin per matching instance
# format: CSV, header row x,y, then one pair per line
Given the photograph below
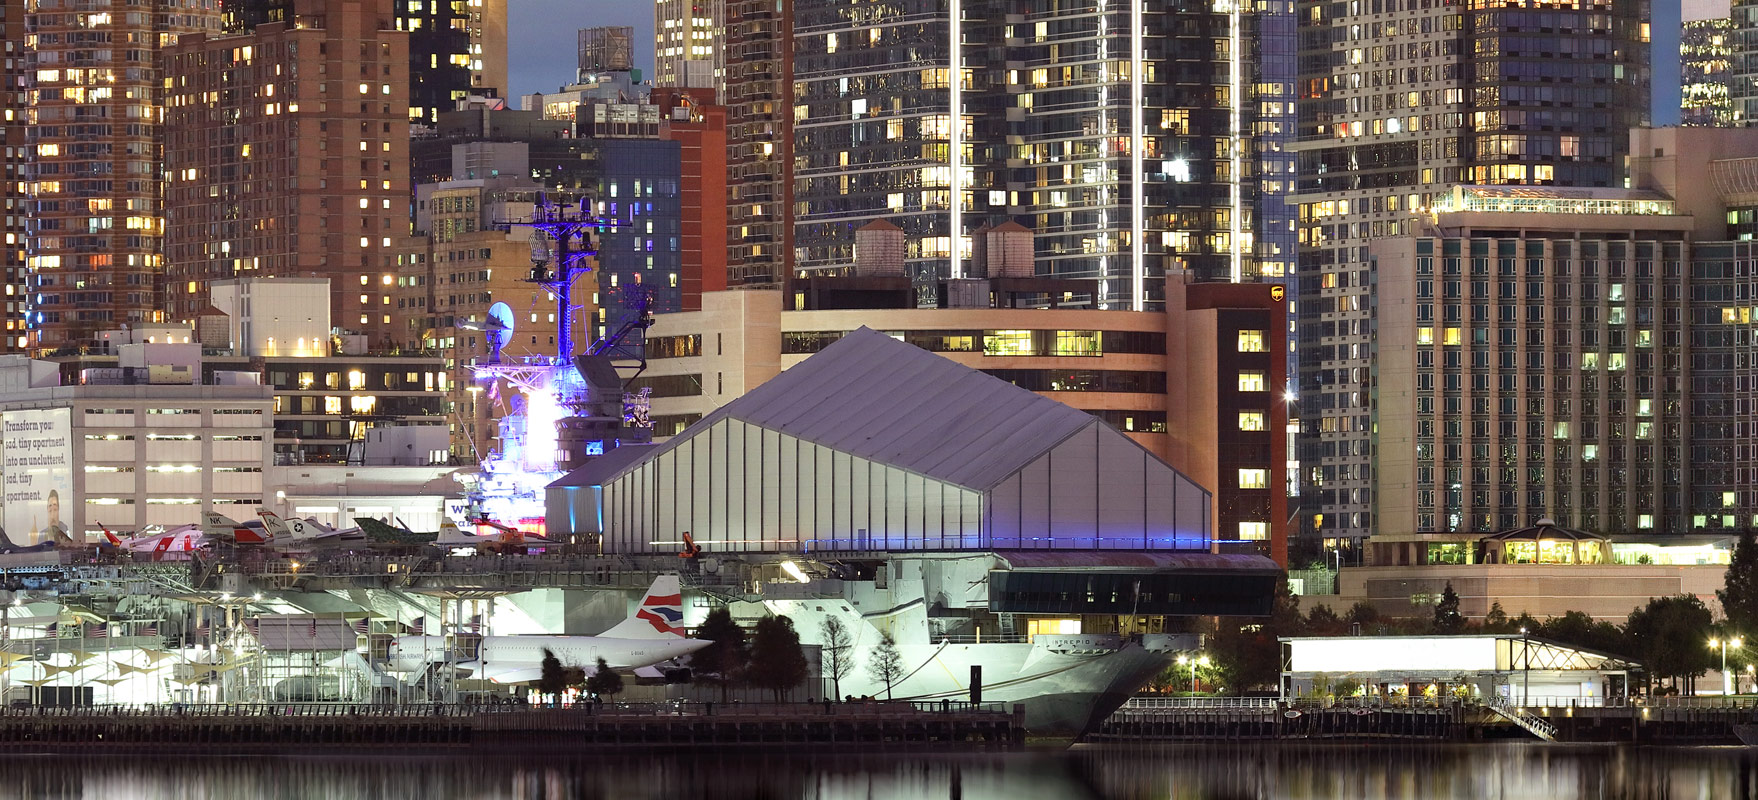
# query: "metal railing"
x,y
1150,703
680,708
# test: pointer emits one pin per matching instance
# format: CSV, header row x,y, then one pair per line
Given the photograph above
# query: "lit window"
x,y
1253,382
1008,343
1729,499
1645,521
1252,342
1254,479
1254,531
1251,420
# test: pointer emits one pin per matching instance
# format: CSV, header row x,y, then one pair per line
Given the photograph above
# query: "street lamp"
x,y
1202,661
1723,645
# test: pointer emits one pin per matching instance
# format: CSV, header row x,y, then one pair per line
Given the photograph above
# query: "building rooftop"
x,y
893,403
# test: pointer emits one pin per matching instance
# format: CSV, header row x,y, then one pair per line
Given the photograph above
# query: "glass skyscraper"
x,y
1110,129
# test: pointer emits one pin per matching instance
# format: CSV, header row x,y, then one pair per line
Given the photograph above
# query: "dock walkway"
x,y
362,728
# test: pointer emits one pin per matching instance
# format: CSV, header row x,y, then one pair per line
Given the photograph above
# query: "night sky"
x,y
542,50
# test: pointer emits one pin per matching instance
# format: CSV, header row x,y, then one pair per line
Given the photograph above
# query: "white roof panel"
x,y
875,397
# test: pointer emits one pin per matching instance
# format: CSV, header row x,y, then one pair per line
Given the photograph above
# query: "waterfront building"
x,y
1196,385
1399,102
94,130
1515,667
1571,353
456,48
128,456
282,163
1705,72
1543,569
1125,172
874,444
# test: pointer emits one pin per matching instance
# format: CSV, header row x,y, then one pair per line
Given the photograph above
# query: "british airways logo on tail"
x,y
663,612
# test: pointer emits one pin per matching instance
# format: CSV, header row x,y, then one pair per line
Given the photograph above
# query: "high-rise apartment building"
x,y
95,217
1110,130
1580,354
1705,63
759,140
1743,80
1399,101
287,155
457,48
688,45
14,162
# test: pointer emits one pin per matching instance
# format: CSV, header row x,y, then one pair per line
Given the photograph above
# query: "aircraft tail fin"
x,y
660,615
110,537
223,527
272,524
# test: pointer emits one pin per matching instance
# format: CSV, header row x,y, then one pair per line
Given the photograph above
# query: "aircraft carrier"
x,y
254,625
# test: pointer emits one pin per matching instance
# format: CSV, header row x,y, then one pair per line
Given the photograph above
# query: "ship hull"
x,y
1066,691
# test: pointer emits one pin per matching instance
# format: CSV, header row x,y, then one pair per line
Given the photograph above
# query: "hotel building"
x,y
1399,101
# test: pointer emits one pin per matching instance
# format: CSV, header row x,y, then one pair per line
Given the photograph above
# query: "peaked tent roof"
x,y
893,403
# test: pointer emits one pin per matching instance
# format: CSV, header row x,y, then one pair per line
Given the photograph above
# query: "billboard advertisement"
x,y
36,464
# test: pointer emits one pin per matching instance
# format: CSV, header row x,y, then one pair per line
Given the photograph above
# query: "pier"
x,y
240,729
1660,720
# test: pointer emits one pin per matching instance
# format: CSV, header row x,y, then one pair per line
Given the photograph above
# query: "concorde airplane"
x,y
652,636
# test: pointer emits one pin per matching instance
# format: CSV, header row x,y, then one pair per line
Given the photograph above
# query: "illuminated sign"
x,y
1278,292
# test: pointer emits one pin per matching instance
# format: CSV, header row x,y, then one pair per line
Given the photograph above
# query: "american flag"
x,y
203,630
150,629
363,626
415,627
97,630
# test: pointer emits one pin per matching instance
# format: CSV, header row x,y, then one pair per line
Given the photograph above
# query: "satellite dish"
x,y
498,329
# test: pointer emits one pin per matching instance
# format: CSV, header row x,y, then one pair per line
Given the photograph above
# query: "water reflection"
x,y
1294,771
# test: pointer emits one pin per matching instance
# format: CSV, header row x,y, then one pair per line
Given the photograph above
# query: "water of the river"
x,y
1231,772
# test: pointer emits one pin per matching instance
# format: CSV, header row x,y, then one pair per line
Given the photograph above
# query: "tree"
x,y
1363,613
1447,618
777,661
552,680
1739,592
605,682
723,661
1670,635
1323,621
836,651
1496,621
885,664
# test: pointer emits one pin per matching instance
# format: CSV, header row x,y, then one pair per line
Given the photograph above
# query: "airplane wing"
x,y
513,676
